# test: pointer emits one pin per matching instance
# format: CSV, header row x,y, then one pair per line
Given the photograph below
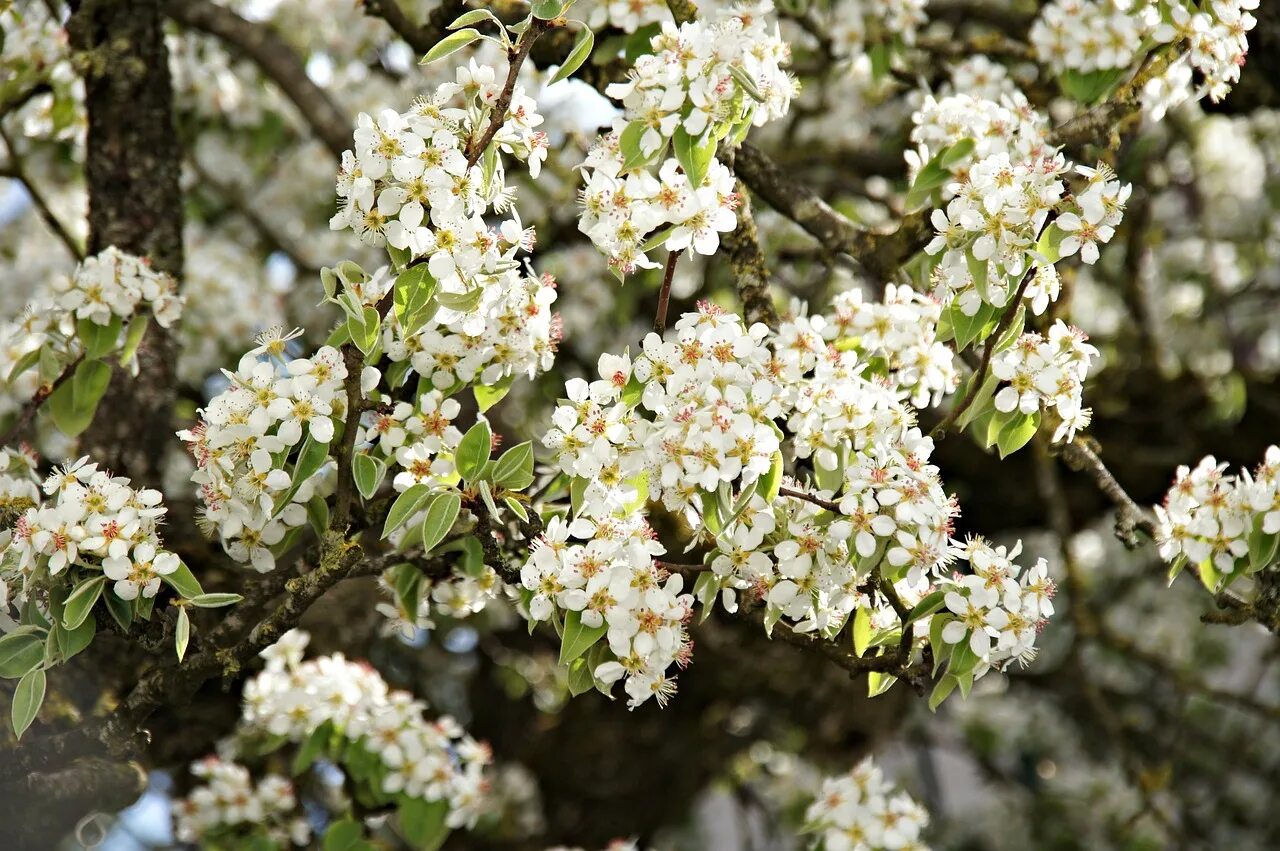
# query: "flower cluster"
x,y
92,521
997,610
621,207
988,229
115,284
1231,523
855,26
900,335
1006,124
1040,372
509,331
245,435
862,811
1218,38
626,15
693,79
432,761
702,82
603,573
227,803
1089,35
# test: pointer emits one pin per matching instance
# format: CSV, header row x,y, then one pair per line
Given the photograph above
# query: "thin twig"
x,y
515,58
17,171
808,497
28,412
664,294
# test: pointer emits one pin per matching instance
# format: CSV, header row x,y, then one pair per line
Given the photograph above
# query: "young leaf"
x,y
311,748
488,395
516,508
73,404
461,302
182,634
343,835
473,451
442,511
184,582
861,630
547,10
81,601
945,686
931,603
514,469
311,458
98,340
1017,432
73,641
581,50
368,473
475,16
215,601
406,505
578,637
27,699
451,43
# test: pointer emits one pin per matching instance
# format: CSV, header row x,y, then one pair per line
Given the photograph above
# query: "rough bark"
x,y
132,169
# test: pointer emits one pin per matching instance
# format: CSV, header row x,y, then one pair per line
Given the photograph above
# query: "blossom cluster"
x,y
1005,124
901,333
626,15
1218,39
432,761
104,289
990,234
1089,35
855,26
510,331
997,610
227,800
1041,372
702,81
862,811
1230,522
603,571
90,520
245,435
414,181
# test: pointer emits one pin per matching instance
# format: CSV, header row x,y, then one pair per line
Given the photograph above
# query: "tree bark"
x,y
132,169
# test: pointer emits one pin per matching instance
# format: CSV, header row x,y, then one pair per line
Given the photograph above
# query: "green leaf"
x,y
343,835
488,395
514,469
1016,432
81,600
705,589
1049,246
547,10
578,637
878,683
861,630
311,458
932,602
939,647
694,154
442,511
182,634
768,485
71,642
945,686
184,582
1090,87
744,81
414,289
365,334
460,302
318,514
406,505
473,451
577,492
949,157
98,340
1262,547
450,44
73,404
215,601
582,45
516,508
311,748
26,700
20,651
580,678
475,16
368,473
121,610
133,338
23,364
629,145
423,822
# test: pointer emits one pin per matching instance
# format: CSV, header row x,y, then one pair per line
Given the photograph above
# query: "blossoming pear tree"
x,y
610,443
